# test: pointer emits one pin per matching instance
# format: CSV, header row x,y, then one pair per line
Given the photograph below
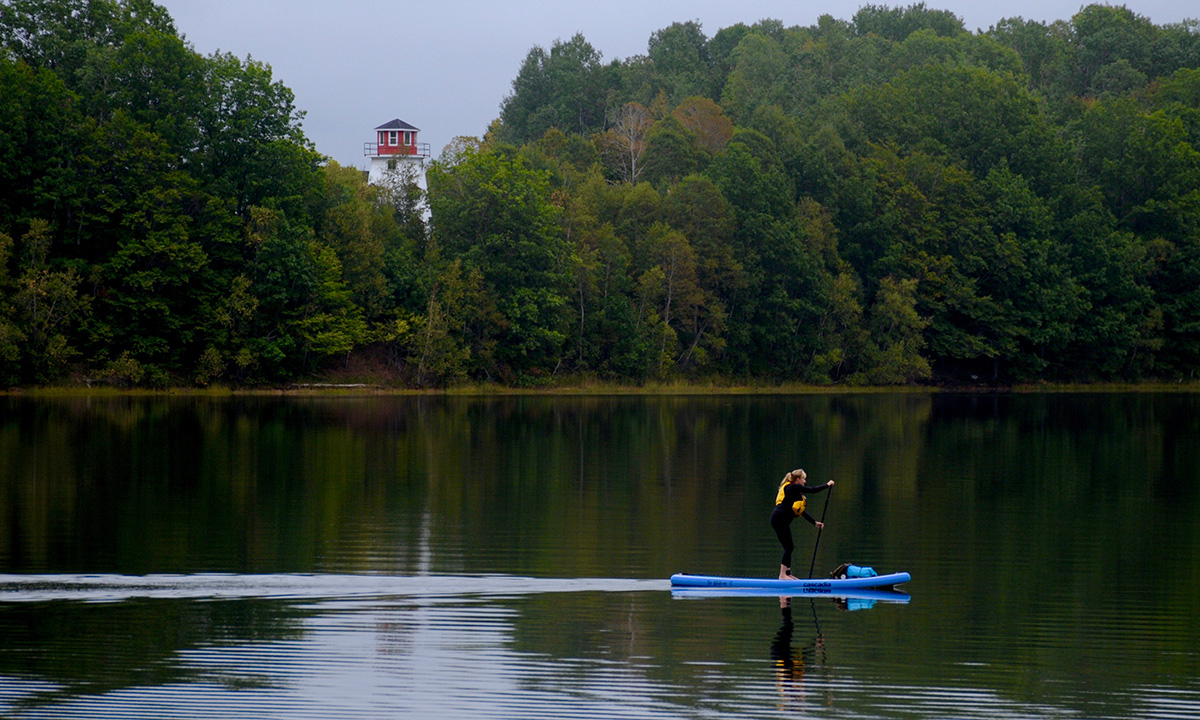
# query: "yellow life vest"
x,y
797,507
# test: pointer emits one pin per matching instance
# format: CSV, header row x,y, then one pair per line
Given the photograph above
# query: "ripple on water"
x,y
113,588
367,646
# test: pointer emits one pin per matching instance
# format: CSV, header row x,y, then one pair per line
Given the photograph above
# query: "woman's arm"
x,y
806,489
816,523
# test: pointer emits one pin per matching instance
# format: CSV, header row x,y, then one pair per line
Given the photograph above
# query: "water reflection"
x,y
506,557
792,664
57,653
343,646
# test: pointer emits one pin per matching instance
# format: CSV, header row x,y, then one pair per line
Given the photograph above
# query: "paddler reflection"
x,y
789,664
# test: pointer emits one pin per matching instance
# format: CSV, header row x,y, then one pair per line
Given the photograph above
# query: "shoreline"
x,y
591,389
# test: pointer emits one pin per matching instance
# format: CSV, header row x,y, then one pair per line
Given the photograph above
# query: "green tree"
x,y
758,74
842,338
638,211
1171,219
154,77
440,345
671,153
750,176
684,319
1112,267
1106,38
356,225
697,208
293,310
898,23
328,324
251,148
45,304
720,52
39,129
495,214
11,336
608,338
922,219
570,151
149,269
682,65
978,117
1045,51
1029,276
65,36
896,328
1141,161
560,89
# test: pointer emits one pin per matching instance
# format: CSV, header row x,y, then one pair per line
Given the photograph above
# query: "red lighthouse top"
x,y
396,138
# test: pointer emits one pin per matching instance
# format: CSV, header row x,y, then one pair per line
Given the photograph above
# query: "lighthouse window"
x,y
392,137
407,138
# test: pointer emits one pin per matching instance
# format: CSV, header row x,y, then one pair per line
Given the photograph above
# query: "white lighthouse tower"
x,y
396,148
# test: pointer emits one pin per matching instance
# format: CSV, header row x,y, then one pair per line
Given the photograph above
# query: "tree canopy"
x,y
888,199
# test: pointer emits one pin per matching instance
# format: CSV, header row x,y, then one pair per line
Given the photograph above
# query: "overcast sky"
x,y
446,65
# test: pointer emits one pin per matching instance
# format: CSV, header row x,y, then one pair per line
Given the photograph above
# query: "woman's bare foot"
x,y
785,573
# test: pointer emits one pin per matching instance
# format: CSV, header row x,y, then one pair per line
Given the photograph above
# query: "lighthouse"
x,y
396,148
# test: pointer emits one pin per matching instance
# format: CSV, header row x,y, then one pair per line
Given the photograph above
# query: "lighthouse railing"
x,y
421,149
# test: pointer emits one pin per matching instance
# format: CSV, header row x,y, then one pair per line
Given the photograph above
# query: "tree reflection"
x,y
983,496
70,649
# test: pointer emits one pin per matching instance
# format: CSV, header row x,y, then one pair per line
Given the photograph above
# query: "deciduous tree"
x,y
625,141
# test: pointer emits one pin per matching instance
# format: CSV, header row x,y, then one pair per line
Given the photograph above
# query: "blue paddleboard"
x,y
814,585
852,594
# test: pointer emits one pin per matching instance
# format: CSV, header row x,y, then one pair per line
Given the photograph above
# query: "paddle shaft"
x,y
816,545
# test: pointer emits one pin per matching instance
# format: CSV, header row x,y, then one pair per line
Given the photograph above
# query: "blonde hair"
x,y
793,476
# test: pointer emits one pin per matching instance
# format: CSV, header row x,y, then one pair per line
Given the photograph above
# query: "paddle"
x,y
818,543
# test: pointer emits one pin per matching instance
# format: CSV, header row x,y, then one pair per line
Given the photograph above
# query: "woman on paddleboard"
x,y
789,503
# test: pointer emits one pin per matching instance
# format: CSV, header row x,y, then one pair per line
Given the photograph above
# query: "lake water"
x,y
507,557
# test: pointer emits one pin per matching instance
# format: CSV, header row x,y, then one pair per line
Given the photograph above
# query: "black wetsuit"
x,y
781,517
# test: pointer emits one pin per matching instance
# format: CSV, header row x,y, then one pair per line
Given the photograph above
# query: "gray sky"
x,y
445,66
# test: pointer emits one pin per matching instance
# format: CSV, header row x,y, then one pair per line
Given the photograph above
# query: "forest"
x,y
886,200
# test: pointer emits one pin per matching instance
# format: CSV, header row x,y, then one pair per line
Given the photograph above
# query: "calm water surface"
x,y
507,557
